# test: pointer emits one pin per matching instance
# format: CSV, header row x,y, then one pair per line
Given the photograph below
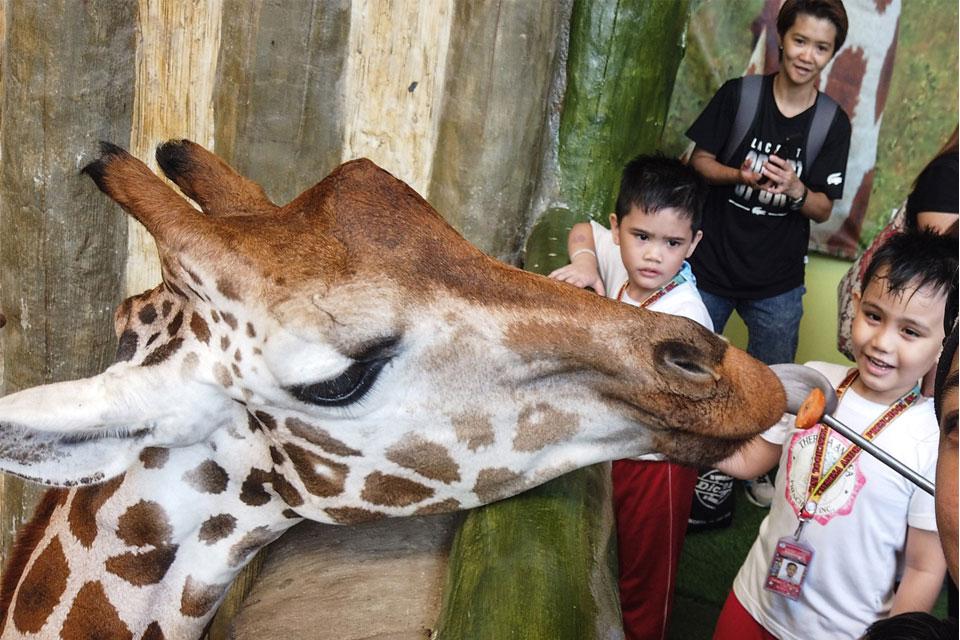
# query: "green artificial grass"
x,y
709,562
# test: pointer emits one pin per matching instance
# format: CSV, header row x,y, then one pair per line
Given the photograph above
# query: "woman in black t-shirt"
x,y
757,220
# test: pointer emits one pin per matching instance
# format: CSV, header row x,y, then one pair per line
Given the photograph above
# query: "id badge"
x,y
791,561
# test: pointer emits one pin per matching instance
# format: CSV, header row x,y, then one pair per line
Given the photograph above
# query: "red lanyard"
x,y
656,295
820,481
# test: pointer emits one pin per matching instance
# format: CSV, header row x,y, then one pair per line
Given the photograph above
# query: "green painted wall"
x,y
818,328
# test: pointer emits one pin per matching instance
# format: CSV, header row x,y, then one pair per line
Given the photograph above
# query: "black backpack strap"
x,y
747,108
823,114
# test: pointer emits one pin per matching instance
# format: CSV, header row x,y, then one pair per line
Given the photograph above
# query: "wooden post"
x,y
67,83
500,70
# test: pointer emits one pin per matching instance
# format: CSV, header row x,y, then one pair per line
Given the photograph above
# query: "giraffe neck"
x,y
149,554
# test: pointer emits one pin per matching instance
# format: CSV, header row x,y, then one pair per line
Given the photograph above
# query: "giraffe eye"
x,y
355,381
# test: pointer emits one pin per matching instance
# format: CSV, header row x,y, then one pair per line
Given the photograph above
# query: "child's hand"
x,y
582,272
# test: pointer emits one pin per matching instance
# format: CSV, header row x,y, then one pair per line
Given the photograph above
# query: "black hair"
x,y
831,10
915,625
916,259
655,182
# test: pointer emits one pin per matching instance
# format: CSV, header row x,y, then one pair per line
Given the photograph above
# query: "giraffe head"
x,y
361,359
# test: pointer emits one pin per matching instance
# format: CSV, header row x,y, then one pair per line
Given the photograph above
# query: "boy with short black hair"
x,y
845,516
641,260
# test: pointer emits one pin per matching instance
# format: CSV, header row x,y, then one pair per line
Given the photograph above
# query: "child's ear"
x,y
615,229
693,245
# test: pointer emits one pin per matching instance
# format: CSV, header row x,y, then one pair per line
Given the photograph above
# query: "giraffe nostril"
x,y
686,361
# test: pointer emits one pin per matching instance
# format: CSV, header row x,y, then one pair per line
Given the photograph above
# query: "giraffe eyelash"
x,y
354,382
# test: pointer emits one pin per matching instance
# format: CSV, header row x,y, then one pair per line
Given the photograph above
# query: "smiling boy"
x,y
843,512
640,260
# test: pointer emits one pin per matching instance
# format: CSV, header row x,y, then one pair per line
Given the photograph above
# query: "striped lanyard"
x,y
656,295
820,481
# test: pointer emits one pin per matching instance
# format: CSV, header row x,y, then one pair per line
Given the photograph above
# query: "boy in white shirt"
x,y
641,260
858,516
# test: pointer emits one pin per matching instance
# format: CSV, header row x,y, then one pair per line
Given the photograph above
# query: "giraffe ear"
x,y
90,430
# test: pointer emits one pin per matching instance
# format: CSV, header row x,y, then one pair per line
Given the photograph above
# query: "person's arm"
x,y
924,568
717,173
584,268
754,458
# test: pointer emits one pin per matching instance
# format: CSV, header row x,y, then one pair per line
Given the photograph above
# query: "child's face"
x,y
653,246
896,338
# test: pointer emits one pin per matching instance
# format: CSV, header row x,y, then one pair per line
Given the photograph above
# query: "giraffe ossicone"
x,y
342,358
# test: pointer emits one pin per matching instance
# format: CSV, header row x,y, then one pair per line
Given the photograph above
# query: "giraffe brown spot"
x,y
126,346
144,523
165,308
846,79
320,437
474,429
147,314
252,491
290,513
249,544
200,328
238,356
251,332
207,477
153,632
276,456
305,464
353,515
500,482
444,506
236,371
287,492
93,617
152,339
426,458
253,423
222,375
266,420
224,342
216,528
230,319
154,457
163,352
393,491
143,568
228,289
42,588
542,425
86,503
199,597
214,316
175,324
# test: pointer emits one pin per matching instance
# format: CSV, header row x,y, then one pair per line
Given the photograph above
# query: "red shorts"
x,y
736,623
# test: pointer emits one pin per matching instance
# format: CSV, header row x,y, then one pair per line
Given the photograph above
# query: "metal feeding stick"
x,y
814,410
